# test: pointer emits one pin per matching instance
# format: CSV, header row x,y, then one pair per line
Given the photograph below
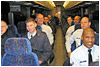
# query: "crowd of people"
x,y
41,33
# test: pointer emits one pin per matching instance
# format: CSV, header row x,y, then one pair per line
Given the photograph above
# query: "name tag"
x,y
83,61
78,38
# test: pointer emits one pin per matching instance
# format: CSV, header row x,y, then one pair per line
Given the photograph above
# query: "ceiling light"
x,y
52,3
65,3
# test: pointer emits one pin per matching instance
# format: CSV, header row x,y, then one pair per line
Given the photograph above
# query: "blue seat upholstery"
x,y
39,27
96,39
1,60
77,26
18,53
14,30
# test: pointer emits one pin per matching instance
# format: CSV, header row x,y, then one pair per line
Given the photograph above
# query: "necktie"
x,y
31,36
90,56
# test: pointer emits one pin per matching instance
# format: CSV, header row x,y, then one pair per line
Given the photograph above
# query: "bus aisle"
x,y
59,48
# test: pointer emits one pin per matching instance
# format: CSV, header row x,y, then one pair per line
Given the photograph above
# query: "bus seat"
x,y
19,53
97,27
38,27
77,26
1,60
22,27
14,30
96,39
73,46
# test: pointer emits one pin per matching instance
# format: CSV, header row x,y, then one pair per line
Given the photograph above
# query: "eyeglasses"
x,y
3,26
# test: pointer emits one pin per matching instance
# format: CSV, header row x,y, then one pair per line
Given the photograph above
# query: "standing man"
x,y
39,41
45,28
56,19
86,53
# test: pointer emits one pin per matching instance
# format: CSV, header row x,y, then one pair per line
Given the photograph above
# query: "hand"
x,y
69,53
40,62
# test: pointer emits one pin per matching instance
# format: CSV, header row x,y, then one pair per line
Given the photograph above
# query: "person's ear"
x,y
7,26
35,24
35,19
89,23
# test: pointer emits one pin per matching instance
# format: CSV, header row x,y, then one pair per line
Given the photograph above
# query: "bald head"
x,y
77,19
88,37
85,18
56,14
4,27
49,17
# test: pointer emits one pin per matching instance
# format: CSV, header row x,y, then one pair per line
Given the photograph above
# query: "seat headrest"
x,y
17,46
13,28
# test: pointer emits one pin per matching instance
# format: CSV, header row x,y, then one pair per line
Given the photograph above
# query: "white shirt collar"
x,y
29,35
87,48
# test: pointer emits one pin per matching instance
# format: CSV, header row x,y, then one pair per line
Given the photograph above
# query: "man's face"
x,y
85,23
46,19
49,17
40,19
76,19
88,39
4,27
69,20
31,27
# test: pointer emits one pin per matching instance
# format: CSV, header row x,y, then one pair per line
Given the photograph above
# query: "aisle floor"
x,y
59,49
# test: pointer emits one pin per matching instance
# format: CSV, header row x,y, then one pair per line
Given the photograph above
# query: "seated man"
x,y
49,17
46,20
39,41
5,34
45,28
70,21
86,53
71,29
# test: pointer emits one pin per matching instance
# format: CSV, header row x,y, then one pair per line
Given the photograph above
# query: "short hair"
x,y
4,21
70,17
38,14
30,20
87,29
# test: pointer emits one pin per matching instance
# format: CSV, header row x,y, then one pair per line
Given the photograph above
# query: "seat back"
x,y
1,60
22,27
97,27
96,39
39,27
13,30
77,26
18,53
